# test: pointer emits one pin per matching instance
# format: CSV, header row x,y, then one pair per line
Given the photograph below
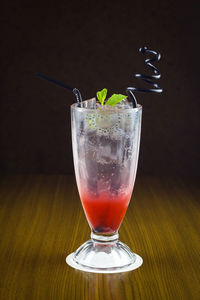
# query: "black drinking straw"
x,y
147,78
65,86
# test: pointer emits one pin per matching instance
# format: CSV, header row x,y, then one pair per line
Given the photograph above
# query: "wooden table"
x,y
41,221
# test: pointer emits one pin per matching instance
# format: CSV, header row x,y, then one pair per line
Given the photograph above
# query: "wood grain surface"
x,y
42,221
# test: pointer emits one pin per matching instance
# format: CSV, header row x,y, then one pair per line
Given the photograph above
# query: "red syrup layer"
x,y
105,212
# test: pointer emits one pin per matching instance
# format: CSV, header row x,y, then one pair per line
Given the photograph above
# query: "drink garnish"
x,y
101,95
113,100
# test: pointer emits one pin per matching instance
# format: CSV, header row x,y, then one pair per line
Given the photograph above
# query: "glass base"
x,y
104,254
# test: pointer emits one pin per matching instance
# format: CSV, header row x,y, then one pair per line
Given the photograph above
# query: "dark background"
x,y
92,45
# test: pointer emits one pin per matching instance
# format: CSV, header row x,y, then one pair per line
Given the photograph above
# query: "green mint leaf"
x,y
115,98
101,95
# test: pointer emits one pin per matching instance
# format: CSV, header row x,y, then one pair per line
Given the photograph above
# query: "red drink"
x,y
105,211
105,148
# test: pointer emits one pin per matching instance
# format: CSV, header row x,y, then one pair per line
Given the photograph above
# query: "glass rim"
x,y
85,109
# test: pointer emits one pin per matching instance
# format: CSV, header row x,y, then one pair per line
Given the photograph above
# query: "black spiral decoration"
x,y
147,78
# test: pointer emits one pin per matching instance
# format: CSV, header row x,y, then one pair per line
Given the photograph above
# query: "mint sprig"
x,y
113,100
101,96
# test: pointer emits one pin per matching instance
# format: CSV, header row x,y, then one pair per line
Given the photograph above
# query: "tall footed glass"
x,y
105,148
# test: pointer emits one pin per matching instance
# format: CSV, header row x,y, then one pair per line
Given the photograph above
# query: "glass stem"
x,y
104,238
